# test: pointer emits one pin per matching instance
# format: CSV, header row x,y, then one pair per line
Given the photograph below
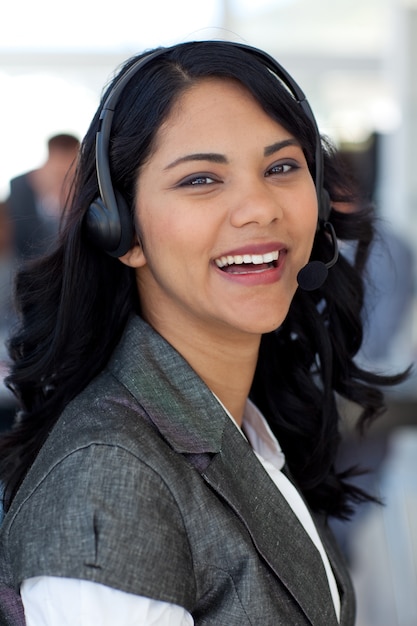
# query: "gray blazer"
x,y
146,485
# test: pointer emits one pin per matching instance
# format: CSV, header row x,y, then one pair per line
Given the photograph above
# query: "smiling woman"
x,y
173,455
249,195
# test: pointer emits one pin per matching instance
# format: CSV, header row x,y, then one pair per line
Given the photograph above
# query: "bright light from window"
x,y
38,106
35,106
104,26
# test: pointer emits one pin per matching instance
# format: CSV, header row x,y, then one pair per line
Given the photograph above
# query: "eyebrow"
x,y
214,157
199,156
279,145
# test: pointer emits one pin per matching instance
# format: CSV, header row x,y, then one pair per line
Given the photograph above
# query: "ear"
x,y
135,257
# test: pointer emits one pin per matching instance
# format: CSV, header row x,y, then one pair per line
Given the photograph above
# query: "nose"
x,y
255,202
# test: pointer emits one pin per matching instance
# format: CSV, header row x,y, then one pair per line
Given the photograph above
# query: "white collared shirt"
x,y
269,453
53,601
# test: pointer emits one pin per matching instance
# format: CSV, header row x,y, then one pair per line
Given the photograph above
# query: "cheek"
x,y
166,243
312,227
179,235
311,213
307,218
152,225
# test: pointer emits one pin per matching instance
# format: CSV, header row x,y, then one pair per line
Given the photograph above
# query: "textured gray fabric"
x,y
147,486
11,607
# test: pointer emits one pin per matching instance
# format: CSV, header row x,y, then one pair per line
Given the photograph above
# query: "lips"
x,y
244,263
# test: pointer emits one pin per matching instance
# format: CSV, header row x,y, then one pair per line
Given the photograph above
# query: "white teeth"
x,y
271,256
256,259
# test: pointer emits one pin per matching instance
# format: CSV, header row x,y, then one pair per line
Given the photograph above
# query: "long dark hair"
x,y
73,304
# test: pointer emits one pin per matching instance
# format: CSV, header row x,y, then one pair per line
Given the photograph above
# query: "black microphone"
x,y
313,275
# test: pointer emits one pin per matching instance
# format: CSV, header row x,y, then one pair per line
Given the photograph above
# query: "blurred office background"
x,y
356,61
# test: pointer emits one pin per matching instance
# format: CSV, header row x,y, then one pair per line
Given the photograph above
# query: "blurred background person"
x,y
37,197
380,542
29,220
389,270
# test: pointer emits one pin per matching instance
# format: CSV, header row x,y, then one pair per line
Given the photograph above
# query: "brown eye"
x,y
199,179
281,168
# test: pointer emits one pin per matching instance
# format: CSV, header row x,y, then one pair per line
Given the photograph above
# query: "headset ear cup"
x,y
110,230
127,228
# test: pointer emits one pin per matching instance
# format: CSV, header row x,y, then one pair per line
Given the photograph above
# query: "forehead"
x,y
211,107
209,91
210,86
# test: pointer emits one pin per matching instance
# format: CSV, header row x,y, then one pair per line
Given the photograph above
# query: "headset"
x,y
108,220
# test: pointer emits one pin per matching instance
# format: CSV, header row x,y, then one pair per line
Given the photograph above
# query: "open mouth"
x,y
245,263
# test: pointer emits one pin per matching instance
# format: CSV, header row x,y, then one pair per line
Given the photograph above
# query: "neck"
x,y
228,371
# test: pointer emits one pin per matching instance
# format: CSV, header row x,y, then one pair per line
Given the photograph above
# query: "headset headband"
x,y
108,219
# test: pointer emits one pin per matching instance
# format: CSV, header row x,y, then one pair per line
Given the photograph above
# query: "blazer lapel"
x,y
188,416
236,474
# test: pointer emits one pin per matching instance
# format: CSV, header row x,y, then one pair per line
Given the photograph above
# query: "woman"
x,y
164,350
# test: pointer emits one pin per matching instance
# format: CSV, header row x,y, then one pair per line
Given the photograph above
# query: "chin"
x,y
271,328
263,324
264,328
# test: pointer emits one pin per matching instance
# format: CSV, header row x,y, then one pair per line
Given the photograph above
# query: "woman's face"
x,y
227,211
